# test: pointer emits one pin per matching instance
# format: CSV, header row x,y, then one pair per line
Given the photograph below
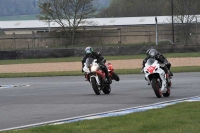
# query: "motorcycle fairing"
x,y
151,69
154,68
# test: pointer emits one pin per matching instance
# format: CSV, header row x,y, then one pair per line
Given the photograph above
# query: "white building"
x,y
28,26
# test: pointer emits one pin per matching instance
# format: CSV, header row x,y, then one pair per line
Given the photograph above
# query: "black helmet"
x,y
152,53
147,52
88,50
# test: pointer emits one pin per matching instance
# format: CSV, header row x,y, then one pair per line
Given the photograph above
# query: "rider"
x,y
158,56
100,60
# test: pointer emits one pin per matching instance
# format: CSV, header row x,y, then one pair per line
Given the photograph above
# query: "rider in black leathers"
x,y
100,60
158,56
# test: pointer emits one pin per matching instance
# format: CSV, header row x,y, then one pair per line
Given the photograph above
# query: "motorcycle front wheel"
x,y
95,86
156,88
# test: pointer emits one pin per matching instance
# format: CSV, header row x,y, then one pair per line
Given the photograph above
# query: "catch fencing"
x,y
99,36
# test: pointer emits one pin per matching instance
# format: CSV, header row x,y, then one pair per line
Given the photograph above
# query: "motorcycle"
x,y
96,76
156,76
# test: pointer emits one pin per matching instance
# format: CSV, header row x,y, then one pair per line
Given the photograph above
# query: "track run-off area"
x,y
44,100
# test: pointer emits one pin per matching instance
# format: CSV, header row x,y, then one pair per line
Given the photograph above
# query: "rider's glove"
x,y
104,60
166,63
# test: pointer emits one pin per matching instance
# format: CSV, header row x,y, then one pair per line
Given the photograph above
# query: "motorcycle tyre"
x,y
107,89
156,88
115,76
94,86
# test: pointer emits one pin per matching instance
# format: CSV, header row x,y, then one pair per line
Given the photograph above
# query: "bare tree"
x,y
185,12
132,8
69,14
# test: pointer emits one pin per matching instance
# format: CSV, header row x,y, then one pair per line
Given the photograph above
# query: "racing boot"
x,y
170,73
168,67
107,79
167,73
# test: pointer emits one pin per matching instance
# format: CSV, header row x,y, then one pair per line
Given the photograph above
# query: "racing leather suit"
x,y
100,60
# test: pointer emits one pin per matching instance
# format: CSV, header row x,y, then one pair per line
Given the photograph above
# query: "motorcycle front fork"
x,y
87,77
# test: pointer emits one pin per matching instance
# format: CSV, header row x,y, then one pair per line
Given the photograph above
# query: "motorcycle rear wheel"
x,y
95,86
156,88
115,76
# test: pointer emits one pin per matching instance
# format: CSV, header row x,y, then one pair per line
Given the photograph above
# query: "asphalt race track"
x,y
54,98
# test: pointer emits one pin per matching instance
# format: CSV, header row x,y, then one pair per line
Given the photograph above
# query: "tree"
x,y
184,15
67,13
132,8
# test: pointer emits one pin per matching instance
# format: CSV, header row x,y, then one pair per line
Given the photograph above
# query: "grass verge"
x,y
179,118
78,73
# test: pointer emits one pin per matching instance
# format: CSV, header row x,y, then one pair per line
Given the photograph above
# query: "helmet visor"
x,y
88,51
152,53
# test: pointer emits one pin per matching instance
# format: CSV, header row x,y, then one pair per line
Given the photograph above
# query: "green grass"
x,y
179,118
78,59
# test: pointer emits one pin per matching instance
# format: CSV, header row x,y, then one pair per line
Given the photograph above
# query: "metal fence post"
x,y
156,31
14,40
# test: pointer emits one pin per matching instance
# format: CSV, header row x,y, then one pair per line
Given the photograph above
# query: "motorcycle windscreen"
x,y
150,61
89,61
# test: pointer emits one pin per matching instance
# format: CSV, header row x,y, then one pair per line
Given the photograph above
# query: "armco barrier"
x,y
5,55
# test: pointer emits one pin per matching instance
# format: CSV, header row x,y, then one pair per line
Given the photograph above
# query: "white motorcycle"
x,y
96,76
156,76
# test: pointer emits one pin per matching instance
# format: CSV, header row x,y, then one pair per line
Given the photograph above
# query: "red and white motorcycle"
x,y
96,76
156,76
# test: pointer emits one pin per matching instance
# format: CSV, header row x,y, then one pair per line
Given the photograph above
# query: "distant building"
x,y
28,26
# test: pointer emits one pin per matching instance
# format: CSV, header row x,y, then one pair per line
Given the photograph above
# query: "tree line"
x,y
134,8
